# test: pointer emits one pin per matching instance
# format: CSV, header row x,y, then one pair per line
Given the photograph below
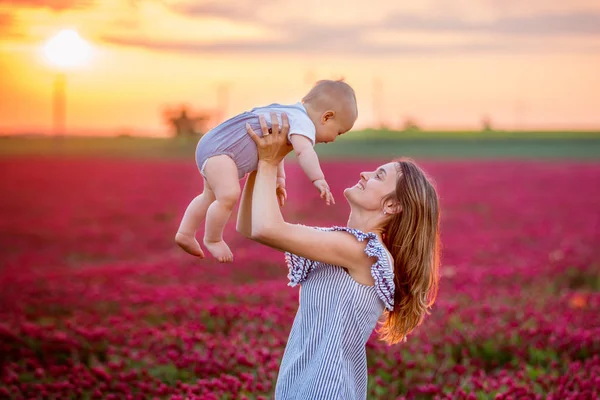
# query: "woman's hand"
x,y
273,146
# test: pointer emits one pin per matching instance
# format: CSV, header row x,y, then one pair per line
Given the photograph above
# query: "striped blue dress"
x,y
325,356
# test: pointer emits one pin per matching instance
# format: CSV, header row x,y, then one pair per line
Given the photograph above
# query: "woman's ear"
x,y
391,208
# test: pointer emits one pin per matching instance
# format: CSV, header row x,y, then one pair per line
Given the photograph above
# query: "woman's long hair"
x,y
412,237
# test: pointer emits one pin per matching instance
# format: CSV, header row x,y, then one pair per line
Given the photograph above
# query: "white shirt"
x,y
300,122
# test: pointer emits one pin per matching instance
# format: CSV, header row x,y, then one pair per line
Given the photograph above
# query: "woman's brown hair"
x,y
412,237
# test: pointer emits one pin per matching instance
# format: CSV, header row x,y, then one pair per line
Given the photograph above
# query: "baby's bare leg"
x,y
192,218
222,175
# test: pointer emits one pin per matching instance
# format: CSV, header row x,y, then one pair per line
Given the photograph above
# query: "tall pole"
x,y
377,102
59,104
520,108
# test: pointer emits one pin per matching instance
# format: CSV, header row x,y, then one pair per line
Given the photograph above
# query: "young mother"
x,y
382,265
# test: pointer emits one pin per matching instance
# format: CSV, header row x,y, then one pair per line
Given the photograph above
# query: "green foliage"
x,y
168,374
366,143
577,278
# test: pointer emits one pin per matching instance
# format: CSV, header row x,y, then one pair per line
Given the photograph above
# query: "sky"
x,y
443,63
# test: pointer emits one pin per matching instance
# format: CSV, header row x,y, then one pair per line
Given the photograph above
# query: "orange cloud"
x,y
6,20
535,34
9,28
56,5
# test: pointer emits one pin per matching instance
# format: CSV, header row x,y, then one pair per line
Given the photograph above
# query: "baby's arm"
x,y
308,160
307,157
281,170
280,188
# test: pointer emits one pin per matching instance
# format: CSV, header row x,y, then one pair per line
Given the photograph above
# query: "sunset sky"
x,y
527,64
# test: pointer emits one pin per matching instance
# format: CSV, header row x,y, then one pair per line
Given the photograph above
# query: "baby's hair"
x,y
336,88
333,95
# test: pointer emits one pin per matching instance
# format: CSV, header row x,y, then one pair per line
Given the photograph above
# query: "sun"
x,y
67,49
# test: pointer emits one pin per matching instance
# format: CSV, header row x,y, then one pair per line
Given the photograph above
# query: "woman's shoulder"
x,y
382,269
360,235
373,240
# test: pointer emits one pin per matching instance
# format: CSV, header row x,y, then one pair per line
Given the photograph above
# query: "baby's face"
x,y
330,129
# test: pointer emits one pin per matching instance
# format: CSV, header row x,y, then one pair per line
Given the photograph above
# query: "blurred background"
x,y
451,65
102,104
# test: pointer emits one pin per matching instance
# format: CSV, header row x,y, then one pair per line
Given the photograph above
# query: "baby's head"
x,y
331,105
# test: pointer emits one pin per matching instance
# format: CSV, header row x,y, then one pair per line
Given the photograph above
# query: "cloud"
x,y
577,22
573,23
6,20
56,5
244,11
348,46
298,35
8,26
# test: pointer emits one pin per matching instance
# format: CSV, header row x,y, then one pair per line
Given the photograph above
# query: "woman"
x,y
383,263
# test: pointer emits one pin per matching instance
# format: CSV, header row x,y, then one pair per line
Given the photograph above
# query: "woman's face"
x,y
373,187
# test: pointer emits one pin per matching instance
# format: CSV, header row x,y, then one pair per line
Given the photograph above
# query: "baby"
x,y
227,153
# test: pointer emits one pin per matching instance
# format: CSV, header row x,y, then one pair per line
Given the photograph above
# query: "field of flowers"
x,y
96,302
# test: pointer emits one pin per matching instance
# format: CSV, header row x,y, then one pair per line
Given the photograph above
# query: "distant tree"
x,y
410,125
186,125
382,125
486,124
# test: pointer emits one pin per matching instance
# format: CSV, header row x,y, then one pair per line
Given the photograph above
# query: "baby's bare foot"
x,y
189,244
219,250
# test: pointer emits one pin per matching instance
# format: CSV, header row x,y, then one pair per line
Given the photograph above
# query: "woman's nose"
x,y
366,175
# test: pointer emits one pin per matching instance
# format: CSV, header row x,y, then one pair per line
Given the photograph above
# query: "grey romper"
x,y
325,357
231,138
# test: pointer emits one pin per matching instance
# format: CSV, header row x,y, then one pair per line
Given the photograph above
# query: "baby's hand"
x,y
323,187
280,190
